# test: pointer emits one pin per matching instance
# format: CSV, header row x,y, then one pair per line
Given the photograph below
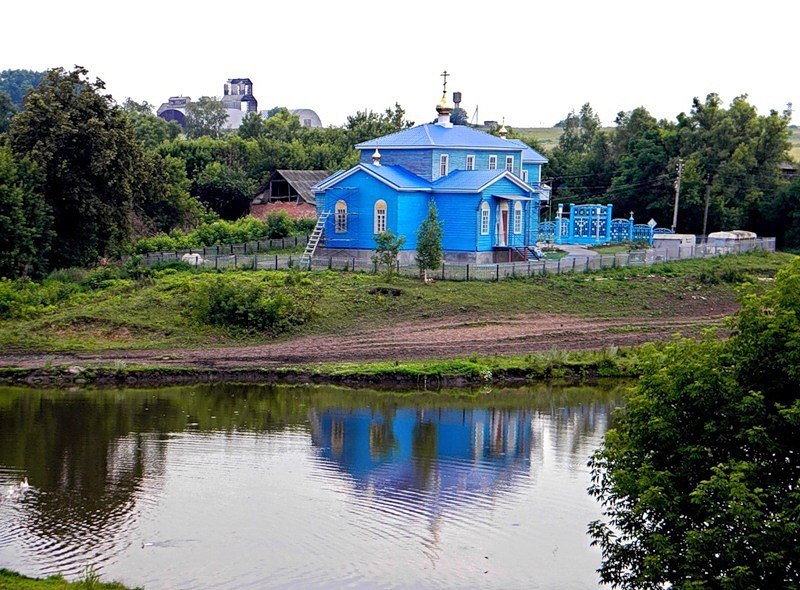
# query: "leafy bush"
x,y
280,225
274,304
23,298
305,225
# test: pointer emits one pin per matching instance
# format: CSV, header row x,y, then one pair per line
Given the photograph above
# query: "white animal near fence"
x,y
193,259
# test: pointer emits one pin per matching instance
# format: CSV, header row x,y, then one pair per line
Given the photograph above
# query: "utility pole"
x,y
677,194
705,214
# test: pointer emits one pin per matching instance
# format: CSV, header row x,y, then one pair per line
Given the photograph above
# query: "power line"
x,y
610,190
620,187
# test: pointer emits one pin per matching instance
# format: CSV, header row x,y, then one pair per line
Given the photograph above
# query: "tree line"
x,y
730,177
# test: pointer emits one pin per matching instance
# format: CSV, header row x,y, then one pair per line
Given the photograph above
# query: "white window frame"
x,y
517,217
524,174
510,163
340,218
485,218
444,164
470,163
492,162
380,216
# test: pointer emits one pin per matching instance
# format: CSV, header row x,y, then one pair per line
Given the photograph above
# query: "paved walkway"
x,y
575,251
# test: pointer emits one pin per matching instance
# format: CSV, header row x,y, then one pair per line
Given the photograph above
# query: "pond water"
x,y
242,486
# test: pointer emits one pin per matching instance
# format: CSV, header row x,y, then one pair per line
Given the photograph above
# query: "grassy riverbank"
x,y
159,310
425,373
13,581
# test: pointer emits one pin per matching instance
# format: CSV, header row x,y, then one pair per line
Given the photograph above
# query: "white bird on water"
x,y
18,489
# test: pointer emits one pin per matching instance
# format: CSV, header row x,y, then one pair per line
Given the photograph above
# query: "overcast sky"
x,y
530,62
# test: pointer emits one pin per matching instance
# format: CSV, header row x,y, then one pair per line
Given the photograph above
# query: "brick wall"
x,y
295,210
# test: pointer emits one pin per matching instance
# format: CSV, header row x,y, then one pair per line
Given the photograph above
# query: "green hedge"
x,y
247,229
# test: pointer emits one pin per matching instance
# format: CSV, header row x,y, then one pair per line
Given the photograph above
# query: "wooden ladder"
x,y
313,240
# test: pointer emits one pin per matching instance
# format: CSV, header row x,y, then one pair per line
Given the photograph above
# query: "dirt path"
x,y
451,337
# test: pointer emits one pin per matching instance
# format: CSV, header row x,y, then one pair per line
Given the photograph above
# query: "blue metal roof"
x,y
529,155
432,135
468,180
394,175
474,180
398,176
316,188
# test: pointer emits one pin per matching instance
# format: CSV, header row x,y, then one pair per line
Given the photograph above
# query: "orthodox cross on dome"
x,y
442,109
503,132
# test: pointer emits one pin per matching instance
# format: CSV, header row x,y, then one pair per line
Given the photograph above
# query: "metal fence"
x,y
478,272
227,250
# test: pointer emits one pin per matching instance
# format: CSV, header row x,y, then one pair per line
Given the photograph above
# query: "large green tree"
x,y
366,125
205,116
148,128
90,161
164,201
99,184
225,190
700,479
581,165
25,220
252,126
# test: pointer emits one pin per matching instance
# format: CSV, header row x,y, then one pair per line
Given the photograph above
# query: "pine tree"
x,y
429,243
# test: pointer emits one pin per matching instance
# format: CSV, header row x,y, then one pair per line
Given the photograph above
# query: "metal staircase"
x,y
313,240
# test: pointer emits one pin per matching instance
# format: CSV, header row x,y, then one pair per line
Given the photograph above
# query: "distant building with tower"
x,y
238,100
174,109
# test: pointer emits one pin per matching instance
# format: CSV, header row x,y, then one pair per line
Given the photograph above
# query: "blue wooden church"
x,y
486,189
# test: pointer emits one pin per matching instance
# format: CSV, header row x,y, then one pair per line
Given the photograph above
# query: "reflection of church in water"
x,y
439,450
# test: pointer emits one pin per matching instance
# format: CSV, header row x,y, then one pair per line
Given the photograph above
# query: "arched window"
x,y
340,217
517,217
484,218
380,217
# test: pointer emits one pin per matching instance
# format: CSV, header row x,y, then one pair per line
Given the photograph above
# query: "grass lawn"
x,y
612,249
13,581
156,312
554,254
